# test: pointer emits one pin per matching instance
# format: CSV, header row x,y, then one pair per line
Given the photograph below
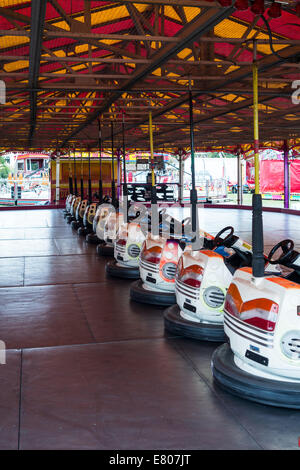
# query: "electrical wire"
x,y
270,38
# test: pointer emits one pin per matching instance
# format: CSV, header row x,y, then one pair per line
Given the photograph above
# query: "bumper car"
x,y
131,241
262,322
75,203
158,264
109,222
87,220
92,236
67,209
78,222
202,280
127,249
106,231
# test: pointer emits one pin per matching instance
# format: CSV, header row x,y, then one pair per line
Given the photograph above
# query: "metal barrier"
x,y
141,192
31,190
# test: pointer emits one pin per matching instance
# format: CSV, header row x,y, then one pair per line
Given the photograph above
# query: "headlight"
x,y
214,297
290,344
169,270
133,250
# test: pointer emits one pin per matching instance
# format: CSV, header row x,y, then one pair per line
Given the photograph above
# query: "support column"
x,y
255,118
193,192
57,180
113,184
181,170
258,262
118,173
286,174
154,208
239,180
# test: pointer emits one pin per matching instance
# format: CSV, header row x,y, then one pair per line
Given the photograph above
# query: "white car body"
x,y
128,244
81,208
158,272
108,224
262,322
75,203
89,213
201,282
158,263
69,201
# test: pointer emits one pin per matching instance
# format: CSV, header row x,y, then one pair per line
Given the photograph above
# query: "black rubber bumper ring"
x,y
176,324
231,378
114,270
139,294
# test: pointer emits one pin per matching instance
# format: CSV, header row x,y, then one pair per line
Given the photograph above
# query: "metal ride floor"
x,y
86,368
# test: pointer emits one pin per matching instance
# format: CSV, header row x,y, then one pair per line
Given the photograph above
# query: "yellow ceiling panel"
x,y
62,25
78,67
191,12
171,13
184,53
59,53
60,71
266,49
12,41
263,107
229,29
231,69
82,48
109,41
157,72
105,16
11,3
292,117
236,129
17,65
231,97
273,85
61,103
258,36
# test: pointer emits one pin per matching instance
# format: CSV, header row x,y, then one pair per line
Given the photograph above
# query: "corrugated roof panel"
x,y
229,29
12,41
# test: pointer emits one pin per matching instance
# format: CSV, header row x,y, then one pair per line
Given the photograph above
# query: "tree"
x,y
4,168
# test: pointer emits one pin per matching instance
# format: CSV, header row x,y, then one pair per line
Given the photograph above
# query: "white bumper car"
x,y
262,322
202,280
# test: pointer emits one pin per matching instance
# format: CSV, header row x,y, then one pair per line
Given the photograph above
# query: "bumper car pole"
x,y
103,249
75,174
66,211
154,209
92,237
100,162
78,222
193,192
113,185
81,179
125,189
258,263
70,218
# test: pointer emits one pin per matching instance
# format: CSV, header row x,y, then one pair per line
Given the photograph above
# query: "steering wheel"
x,y
218,241
286,246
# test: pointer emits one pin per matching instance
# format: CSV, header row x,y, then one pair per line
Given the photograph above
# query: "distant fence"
x,y
17,191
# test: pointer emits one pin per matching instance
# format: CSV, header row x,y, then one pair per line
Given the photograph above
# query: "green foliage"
x,y
220,154
4,168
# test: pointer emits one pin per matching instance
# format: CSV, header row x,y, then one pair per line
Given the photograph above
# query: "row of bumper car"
x,y
211,295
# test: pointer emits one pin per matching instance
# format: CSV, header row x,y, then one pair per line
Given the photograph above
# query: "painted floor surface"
x,y
86,368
